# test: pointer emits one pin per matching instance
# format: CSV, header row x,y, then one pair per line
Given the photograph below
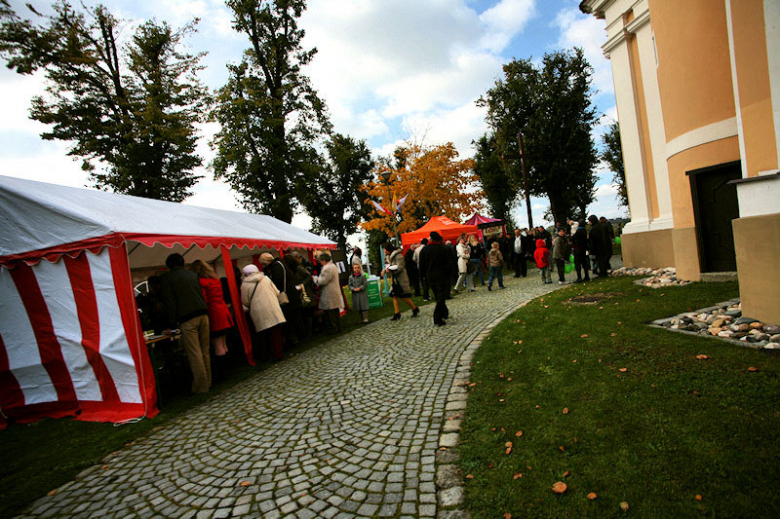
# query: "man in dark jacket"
x,y
610,236
599,245
411,270
579,248
436,265
453,263
185,306
282,278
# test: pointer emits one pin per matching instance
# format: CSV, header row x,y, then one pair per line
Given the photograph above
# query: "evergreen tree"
x,y
613,156
132,109
270,115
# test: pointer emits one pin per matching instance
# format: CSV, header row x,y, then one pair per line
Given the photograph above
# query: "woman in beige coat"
x,y
396,266
259,297
330,292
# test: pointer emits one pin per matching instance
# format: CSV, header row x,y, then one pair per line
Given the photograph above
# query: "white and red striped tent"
x,y
71,343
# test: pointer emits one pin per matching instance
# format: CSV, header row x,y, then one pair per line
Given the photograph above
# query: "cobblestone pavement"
x,y
348,429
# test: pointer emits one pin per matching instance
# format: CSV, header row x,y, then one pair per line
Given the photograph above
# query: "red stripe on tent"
x,y
11,395
40,319
123,286
238,308
80,276
53,254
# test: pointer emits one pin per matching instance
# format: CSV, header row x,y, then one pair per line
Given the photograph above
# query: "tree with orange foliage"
x,y
435,180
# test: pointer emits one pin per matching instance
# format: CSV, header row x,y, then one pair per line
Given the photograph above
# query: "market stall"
x,y
71,343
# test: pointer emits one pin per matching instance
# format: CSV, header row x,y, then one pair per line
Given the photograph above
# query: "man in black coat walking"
x,y
599,245
436,266
411,270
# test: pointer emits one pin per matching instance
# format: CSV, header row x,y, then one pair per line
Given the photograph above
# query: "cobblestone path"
x,y
348,429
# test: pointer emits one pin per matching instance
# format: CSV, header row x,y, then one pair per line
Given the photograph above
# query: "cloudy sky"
x,y
389,70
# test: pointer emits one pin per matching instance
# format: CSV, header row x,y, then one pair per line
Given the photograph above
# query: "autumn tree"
x,y
496,177
435,180
270,115
334,201
551,106
613,156
131,108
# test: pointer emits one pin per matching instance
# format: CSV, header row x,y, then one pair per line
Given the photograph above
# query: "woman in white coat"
x,y
330,293
259,297
464,253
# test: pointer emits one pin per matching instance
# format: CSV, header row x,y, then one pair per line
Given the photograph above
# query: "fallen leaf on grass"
x,y
624,506
517,476
562,449
613,334
702,357
519,433
751,368
567,473
469,476
472,384
565,410
500,375
507,516
575,361
537,407
508,444
52,492
584,336
592,496
699,497
559,487
508,451
623,370
245,483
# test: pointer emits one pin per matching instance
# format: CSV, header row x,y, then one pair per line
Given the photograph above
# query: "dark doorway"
x,y
714,206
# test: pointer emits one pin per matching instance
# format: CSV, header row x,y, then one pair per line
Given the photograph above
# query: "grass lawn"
x,y
42,456
612,407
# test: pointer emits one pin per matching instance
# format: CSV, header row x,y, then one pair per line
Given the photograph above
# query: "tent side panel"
x,y
131,322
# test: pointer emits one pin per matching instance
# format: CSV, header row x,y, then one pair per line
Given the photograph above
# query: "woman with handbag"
x,y
400,288
464,254
330,293
260,297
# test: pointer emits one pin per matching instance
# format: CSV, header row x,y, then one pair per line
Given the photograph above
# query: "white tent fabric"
x,y
36,216
70,339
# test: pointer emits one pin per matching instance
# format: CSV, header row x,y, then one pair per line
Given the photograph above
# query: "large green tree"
x,y
612,154
270,115
334,201
495,174
551,106
132,109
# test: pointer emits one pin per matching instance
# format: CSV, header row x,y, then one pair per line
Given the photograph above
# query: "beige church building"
x,y
697,85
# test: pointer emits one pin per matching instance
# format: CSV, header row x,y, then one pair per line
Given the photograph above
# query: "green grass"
x,y
668,428
42,456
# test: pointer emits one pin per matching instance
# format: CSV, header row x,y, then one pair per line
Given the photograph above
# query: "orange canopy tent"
x,y
448,229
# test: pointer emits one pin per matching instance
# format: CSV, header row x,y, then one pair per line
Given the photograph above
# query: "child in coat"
x,y
542,258
359,286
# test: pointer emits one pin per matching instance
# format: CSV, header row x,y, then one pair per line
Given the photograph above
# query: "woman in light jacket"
x,y
464,253
259,296
330,293
401,289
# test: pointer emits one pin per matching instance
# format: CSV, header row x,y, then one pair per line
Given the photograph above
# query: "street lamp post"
x,y
386,176
525,180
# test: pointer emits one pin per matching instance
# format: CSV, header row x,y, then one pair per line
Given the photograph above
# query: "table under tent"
x,y
71,342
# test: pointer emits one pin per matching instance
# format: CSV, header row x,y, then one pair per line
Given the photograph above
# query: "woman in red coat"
x,y
220,320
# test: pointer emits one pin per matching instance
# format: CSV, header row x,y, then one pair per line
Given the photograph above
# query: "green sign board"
x,y
374,295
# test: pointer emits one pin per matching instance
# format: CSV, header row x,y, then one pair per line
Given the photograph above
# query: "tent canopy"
x,y
47,220
71,342
478,219
448,229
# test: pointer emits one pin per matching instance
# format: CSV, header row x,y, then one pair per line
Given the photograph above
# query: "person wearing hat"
x,y
437,266
259,296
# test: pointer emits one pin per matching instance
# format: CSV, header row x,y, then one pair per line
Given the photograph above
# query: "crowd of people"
x,y
287,300
459,266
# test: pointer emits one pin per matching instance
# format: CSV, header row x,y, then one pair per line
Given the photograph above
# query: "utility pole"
x,y
525,181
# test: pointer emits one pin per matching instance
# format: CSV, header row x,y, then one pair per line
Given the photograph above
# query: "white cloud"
x,y
588,32
504,21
